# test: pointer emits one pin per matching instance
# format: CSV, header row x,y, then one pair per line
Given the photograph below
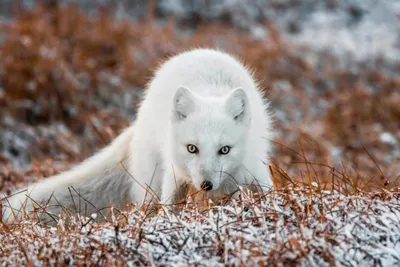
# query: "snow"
x,y
361,29
356,30
387,138
377,35
296,226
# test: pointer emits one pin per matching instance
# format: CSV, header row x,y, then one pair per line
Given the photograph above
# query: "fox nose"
x,y
206,185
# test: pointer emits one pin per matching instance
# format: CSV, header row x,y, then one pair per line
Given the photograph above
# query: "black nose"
x,y
206,185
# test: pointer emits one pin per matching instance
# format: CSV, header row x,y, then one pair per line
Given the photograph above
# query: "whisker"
x,y
230,176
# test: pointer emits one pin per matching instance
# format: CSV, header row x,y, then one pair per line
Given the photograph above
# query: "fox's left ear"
x,y
183,103
237,106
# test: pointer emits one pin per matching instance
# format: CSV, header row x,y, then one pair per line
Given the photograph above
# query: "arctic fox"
x,y
203,121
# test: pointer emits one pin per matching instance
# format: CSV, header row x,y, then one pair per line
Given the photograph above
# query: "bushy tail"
x,y
94,184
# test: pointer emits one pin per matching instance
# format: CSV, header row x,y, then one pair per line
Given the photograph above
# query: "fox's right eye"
x,y
192,149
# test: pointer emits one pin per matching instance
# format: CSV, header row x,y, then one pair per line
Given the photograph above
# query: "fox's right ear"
x,y
183,103
237,106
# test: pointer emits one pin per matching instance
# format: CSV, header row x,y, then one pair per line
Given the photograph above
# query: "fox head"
x,y
209,136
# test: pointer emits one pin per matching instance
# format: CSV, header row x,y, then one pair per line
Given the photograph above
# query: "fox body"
x,y
203,121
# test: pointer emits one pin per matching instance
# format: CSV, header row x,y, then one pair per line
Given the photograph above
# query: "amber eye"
x,y
224,150
192,149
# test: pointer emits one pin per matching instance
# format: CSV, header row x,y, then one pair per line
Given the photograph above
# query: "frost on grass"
x,y
286,227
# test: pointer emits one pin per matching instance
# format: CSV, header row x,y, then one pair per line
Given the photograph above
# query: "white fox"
x,y
203,121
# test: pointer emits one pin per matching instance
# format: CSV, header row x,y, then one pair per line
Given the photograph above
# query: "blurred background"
x,y
73,72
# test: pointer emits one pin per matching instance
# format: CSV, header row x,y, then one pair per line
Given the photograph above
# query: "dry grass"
x,y
290,226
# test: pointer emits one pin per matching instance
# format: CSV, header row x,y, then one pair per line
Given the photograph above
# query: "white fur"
x,y
202,97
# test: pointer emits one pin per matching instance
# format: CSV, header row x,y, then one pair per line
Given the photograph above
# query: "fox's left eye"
x,y
224,150
192,149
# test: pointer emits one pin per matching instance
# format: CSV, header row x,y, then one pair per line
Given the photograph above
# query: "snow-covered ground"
x,y
359,29
368,30
285,228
